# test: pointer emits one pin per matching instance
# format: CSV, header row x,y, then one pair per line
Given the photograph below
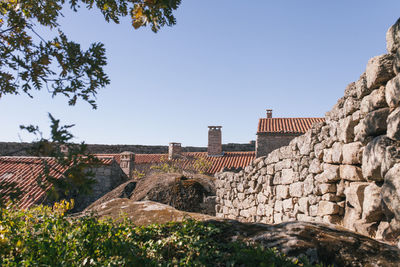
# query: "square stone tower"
x,y
214,141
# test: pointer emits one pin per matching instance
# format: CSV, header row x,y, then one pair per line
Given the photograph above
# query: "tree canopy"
x,y
30,62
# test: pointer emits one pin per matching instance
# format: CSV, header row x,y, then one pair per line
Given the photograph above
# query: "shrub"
x,y
44,236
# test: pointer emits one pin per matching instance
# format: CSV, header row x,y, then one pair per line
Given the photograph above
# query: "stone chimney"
x,y
127,162
214,141
174,150
269,113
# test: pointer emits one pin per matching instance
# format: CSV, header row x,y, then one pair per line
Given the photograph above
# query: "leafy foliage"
x,y
182,164
28,61
46,237
73,162
137,174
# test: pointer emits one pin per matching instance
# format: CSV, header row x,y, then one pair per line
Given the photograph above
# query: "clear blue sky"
x,y
224,63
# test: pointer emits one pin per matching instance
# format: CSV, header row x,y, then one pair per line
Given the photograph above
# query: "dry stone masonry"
x,y
343,171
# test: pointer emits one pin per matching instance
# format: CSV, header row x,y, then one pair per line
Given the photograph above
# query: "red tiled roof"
x,y
228,160
286,125
24,172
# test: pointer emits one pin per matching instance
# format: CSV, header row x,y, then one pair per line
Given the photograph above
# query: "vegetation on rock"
x,y
47,237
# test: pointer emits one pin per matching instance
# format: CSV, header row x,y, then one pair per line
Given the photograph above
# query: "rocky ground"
x,y
194,193
320,242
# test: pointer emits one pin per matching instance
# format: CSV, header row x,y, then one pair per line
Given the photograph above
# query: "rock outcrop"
x,y
195,193
319,242
343,171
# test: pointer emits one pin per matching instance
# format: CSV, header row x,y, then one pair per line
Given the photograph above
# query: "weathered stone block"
x,y
350,106
332,219
328,155
319,150
287,205
287,176
373,101
327,208
326,188
391,190
277,178
337,152
245,213
373,124
304,218
241,196
315,166
365,228
303,205
329,175
308,185
296,189
393,124
373,156
372,208
350,90
393,38
351,215
340,188
282,191
277,217
346,129
331,197
313,199
392,92
261,198
355,195
352,153
313,210
379,70
278,206
351,173
392,156
361,87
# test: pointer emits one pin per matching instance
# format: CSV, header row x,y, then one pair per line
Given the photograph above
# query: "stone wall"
x,y
20,149
344,171
271,141
107,178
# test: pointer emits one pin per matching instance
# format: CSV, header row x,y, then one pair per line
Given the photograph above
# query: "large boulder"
x,y
125,190
188,193
143,212
321,243
329,245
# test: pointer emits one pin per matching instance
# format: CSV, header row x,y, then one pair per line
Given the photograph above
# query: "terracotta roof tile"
x,y
286,125
228,160
24,172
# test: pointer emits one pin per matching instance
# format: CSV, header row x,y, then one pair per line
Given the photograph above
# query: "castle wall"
x,y
343,171
20,149
267,142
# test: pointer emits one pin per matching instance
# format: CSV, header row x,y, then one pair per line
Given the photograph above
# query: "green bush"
x,y
44,236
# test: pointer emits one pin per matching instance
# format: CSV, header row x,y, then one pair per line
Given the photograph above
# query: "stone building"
x,y
22,175
273,133
212,161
